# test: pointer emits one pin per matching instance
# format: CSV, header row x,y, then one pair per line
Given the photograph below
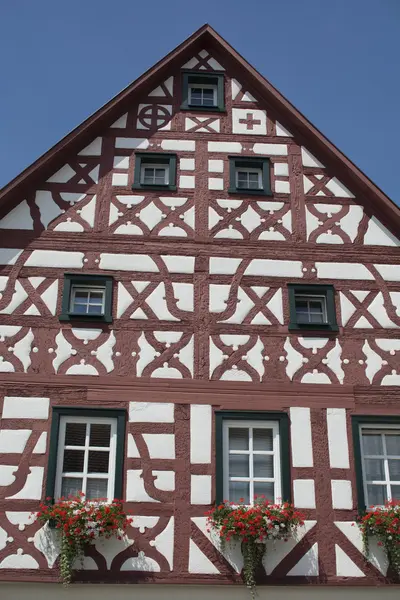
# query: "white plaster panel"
x,y
281,131
271,149
14,440
198,561
19,561
182,145
309,160
160,445
93,149
215,183
275,268
304,493
151,412
389,272
58,259
135,491
332,270
341,494
337,438
216,166
224,147
120,179
32,489
200,489
259,118
345,567
40,446
164,480
300,428
9,256
281,169
338,189
16,407
186,164
307,565
121,162
121,122
135,143
377,555
127,262
187,181
179,264
377,234
62,175
18,218
282,187
200,433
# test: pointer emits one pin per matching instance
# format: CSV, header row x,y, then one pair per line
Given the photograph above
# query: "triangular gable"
x,y
204,50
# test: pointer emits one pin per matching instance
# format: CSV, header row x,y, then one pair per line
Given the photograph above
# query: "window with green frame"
x,y
86,453
87,297
203,91
312,307
155,171
252,456
249,175
376,441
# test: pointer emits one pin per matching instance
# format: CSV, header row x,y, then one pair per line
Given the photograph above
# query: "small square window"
x,y
86,453
156,171
377,459
87,297
252,456
249,175
202,91
312,307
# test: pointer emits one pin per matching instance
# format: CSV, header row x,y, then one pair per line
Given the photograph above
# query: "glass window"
x,y
249,179
251,460
86,300
86,457
154,174
202,95
380,451
310,309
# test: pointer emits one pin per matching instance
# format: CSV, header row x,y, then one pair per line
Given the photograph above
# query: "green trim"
x,y
240,415
71,279
154,157
190,77
60,411
356,421
322,290
250,162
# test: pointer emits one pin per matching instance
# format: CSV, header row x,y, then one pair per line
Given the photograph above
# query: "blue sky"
x,y
336,61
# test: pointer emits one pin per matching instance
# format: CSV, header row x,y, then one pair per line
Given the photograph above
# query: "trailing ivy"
x,y
383,523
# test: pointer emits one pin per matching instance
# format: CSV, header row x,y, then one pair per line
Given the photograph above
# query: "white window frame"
x,y
204,86
163,166
252,424
381,430
249,170
312,298
86,288
84,475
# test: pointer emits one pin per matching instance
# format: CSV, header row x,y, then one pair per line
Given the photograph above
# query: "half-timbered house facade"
x,y
199,300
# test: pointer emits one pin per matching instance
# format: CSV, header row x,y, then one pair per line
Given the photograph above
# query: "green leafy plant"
x,y
253,526
80,522
383,522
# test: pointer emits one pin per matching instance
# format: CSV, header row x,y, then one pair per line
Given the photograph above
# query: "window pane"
x,y
263,488
100,435
75,434
238,490
73,461
71,486
98,461
253,185
95,309
238,465
301,305
372,443
263,465
96,488
395,491
392,444
262,439
376,494
315,305
81,295
394,470
317,318
96,296
238,438
79,308
208,101
374,469
302,317
253,177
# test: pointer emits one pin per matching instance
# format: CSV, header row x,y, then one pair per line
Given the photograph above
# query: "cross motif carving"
x,y
249,121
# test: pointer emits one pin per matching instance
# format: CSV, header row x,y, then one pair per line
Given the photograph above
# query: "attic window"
x,y
312,307
249,175
87,297
203,92
155,171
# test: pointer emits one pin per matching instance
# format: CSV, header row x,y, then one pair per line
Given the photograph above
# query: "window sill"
x,y
86,318
309,327
160,188
245,192
207,109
